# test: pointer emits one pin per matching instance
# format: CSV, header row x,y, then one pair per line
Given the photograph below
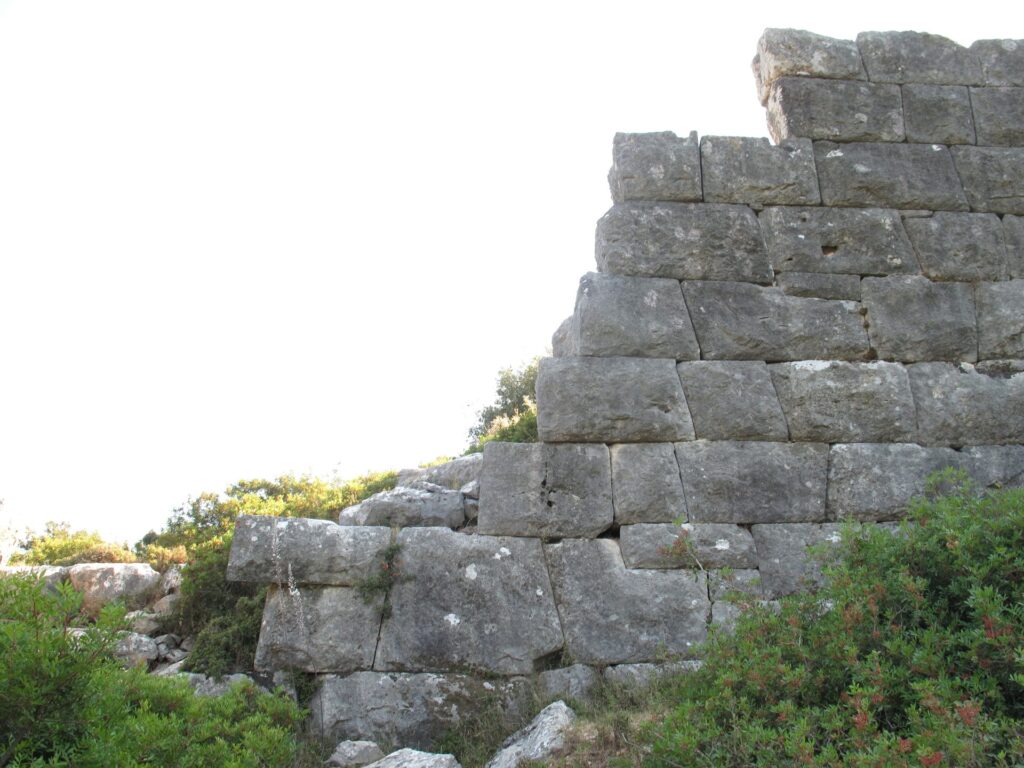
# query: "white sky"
x,y
239,239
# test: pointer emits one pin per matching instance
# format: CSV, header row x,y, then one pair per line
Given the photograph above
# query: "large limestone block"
x,y
418,504
685,242
938,114
470,603
788,52
956,405
836,110
412,758
995,466
889,176
707,545
912,319
611,400
732,400
645,483
304,551
812,285
545,737
135,650
354,754
786,565
738,321
748,482
655,166
536,489
993,177
960,246
849,241
738,582
1013,229
451,474
1002,61
317,629
917,57
577,682
1000,319
132,584
756,172
636,677
612,615
832,402
999,116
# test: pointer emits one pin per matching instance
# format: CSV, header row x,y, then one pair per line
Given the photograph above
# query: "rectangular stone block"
x,y
848,241
917,57
655,166
912,319
785,564
1013,229
1002,61
754,172
938,114
732,400
960,246
956,405
812,285
995,466
646,486
835,110
685,242
705,545
1000,319
993,177
740,581
739,321
748,482
789,52
889,176
611,400
999,116
833,402
533,489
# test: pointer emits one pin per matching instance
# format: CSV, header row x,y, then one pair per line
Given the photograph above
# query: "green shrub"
x,y
59,545
512,417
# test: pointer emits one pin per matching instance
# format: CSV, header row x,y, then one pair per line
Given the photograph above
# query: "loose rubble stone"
x,y
1002,61
999,116
993,177
209,686
536,489
576,683
746,482
611,615
742,581
562,338
889,176
645,483
354,754
469,602
133,584
704,545
655,166
836,110
134,650
786,566
738,321
995,466
917,57
912,319
782,52
611,399
143,622
958,406
411,758
815,286
685,242
832,402
544,738
451,474
638,676
304,551
1000,319
755,172
960,246
731,400
170,581
419,504
1013,229
938,114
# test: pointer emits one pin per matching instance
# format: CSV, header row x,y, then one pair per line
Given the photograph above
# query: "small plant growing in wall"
x,y
378,585
682,549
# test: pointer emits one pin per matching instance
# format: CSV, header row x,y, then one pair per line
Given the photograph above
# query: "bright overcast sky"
x,y
240,239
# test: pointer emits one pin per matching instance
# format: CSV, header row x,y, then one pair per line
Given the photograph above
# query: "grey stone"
x,y
739,321
685,242
535,489
836,110
1013,228
167,670
645,483
133,650
876,481
354,754
545,737
611,615
917,57
451,474
420,504
143,622
174,656
170,581
912,319
411,758
472,508
817,286
995,466
848,241
731,400
1002,61
132,584
304,551
611,399
1000,369
471,490
1000,319
638,676
755,172
938,114
999,116
993,177
469,603
734,583
562,338
960,246
578,683
655,166
834,402
786,52
50,575
889,176
956,405
210,686
725,614
741,482
703,545
786,566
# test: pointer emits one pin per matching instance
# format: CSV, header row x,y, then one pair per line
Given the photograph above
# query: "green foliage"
x,y
515,398
521,428
59,545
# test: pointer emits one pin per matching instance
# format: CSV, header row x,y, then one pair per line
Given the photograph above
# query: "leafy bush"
x,y
59,545
520,428
162,558
514,401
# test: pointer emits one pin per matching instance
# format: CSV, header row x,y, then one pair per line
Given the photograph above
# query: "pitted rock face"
x,y
132,584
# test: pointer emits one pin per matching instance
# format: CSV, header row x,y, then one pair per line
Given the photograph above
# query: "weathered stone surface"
x,y
912,319
143,622
535,489
785,564
562,338
51,575
958,406
993,177
655,166
415,709
704,545
837,241
1002,61
738,321
217,686
611,615
960,246
889,175
999,116
875,481
577,683
544,738
645,483
995,466
725,614
451,475
833,402
1000,309
1000,369
630,317
836,110
811,285
723,584
755,172
938,114
418,504
133,650
731,400
132,584
637,676
304,551
354,754
165,604
741,482
170,580
317,629
411,758
785,52
1013,229
686,242
469,602
917,57
611,399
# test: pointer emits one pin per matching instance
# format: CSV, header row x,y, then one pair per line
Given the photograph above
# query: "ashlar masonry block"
x,y
754,172
785,564
1013,229
835,110
815,285
645,483
999,116
938,114
917,57
795,52
993,177
704,545
732,400
655,166
1000,319
960,246
1002,61
956,405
